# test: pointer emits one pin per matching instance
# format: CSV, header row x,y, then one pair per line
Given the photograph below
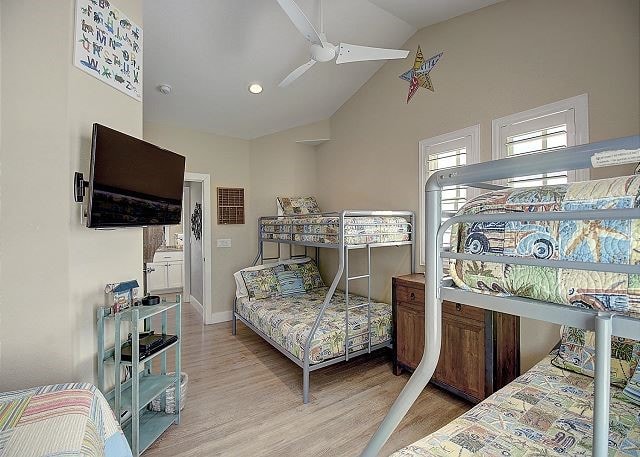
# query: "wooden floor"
x,y
245,399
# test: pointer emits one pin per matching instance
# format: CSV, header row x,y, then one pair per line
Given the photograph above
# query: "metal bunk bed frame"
x,y
343,267
437,288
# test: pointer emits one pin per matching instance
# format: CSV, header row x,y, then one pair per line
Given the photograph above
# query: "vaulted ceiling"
x,y
209,51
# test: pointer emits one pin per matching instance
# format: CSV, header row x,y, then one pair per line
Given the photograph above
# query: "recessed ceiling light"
x,y
255,88
164,89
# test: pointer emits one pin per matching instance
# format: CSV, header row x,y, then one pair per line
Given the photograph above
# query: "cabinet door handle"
x,y
458,307
413,296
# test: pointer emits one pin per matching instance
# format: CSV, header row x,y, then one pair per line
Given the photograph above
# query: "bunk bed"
x,y
324,327
612,310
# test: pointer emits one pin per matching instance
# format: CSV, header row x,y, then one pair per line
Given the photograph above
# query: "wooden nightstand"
x,y
480,349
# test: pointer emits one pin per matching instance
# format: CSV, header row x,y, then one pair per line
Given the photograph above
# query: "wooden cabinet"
x,y
165,272
480,349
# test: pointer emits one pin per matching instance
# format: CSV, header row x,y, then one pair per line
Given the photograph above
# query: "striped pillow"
x,y
290,282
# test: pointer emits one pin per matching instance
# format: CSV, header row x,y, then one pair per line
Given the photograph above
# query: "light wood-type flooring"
x,y
245,399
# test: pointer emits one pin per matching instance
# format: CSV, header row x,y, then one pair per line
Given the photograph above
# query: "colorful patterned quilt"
x,y
324,229
60,420
608,241
288,320
545,412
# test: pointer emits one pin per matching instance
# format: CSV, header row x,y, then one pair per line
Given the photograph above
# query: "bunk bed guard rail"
x,y
604,323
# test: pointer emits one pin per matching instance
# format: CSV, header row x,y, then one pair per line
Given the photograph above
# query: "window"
x,y
557,125
445,151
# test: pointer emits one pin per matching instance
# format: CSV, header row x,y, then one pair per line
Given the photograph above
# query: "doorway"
x,y
177,258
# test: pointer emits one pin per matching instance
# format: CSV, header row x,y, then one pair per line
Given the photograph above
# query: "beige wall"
x,y
274,157
258,166
226,160
53,268
503,59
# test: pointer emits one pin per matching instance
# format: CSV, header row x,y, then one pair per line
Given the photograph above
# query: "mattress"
x,y
62,419
545,412
288,321
324,229
610,241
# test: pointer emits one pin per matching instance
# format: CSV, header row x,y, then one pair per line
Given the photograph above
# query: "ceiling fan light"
x,y
255,88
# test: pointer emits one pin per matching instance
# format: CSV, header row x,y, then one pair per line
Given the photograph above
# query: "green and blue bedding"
x,y
288,321
324,229
603,241
546,412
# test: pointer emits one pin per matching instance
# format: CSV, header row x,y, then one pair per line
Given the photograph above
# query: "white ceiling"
x,y
210,50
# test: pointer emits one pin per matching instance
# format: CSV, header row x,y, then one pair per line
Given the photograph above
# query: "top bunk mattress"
x,y
545,412
601,241
324,229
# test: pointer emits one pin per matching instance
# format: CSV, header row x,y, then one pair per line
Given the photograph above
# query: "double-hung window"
x,y
556,125
446,151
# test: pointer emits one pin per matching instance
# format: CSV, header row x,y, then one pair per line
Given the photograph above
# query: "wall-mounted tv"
x,y
132,182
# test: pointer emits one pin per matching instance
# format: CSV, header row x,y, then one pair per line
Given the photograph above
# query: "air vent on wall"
x,y
230,205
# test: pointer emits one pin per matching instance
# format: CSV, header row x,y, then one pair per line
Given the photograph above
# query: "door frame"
x,y
207,258
186,229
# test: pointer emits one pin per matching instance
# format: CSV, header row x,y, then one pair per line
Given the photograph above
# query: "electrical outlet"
x,y
224,243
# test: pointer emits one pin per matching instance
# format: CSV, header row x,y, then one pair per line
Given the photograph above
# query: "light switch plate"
x,y
224,243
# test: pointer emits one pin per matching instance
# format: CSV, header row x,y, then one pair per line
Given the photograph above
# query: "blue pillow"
x,y
290,282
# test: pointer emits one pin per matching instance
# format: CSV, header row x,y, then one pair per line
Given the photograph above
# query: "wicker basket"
x,y
156,405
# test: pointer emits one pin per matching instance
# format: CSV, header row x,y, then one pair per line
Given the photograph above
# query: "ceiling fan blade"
x,y
302,23
354,53
295,74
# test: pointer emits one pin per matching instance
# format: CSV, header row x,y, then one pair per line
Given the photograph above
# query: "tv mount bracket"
x,y
79,187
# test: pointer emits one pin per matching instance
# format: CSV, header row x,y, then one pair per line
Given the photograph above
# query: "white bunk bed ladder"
x,y
348,338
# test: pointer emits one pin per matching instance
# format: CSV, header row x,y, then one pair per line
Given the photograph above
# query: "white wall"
x,y
53,269
195,256
506,58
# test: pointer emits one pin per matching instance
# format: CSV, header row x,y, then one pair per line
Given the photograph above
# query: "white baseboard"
x,y
197,305
223,316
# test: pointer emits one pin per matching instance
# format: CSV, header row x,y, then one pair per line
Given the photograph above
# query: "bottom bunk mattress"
x,y
324,229
288,321
545,412
62,420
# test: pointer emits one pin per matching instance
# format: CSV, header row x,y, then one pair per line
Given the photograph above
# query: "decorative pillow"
x,y
637,169
290,282
262,283
577,353
291,206
309,273
632,391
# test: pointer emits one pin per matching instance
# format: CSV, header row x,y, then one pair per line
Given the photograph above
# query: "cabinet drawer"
x,y
465,311
411,295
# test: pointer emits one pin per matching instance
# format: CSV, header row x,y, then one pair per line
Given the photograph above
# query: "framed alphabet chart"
x,y
108,46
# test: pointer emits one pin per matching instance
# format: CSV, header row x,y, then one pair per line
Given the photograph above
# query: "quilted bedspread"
x,y
59,420
324,229
288,320
605,241
545,412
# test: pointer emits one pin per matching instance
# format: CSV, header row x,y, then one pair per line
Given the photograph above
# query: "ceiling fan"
x,y
324,51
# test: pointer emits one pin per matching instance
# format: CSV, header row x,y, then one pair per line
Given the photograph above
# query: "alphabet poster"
x,y
108,46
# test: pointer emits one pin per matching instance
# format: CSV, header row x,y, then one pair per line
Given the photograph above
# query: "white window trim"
x,y
580,106
473,156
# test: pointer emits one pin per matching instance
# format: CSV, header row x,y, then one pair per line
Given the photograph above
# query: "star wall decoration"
x,y
418,76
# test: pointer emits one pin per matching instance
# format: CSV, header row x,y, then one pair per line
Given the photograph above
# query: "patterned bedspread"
x,y
324,229
288,320
62,420
616,241
545,412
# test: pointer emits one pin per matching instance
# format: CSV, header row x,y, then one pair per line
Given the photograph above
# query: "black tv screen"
x,y
132,182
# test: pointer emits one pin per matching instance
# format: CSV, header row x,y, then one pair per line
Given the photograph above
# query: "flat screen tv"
x,y
132,182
